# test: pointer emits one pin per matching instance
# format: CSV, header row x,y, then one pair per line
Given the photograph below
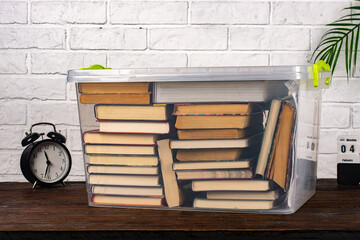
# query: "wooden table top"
x,y
332,208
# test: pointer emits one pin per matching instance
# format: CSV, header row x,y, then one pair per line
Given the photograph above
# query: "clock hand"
x,y
47,163
47,159
46,170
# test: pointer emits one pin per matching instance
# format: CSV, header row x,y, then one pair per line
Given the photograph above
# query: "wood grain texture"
x,y
333,208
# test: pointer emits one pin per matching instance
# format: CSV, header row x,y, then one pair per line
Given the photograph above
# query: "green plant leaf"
x,y
347,19
356,47
352,8
347,56
351,48
322,52
341,24
344,31
336,57
331,55
350,15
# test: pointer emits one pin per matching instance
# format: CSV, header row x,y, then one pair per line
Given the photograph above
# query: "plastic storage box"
x,y
240,139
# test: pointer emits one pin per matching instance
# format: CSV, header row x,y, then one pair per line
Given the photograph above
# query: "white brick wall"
x,y
40,40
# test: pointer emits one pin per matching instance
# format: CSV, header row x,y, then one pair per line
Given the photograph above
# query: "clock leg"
x,y
35,183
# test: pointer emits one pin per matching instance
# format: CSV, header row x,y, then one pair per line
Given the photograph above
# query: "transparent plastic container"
x,y
118,176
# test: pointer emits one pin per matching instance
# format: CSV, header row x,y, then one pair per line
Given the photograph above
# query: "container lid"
x,y
181,74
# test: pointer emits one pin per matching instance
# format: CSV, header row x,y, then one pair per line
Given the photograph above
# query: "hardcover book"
x,y
244,195
124,179
118,98
246,173
213,109
108,169
209,154
233,204
241,163
135,127
216,143
231,133
115,87
128,160
120,149
97,137
135,112
218,122
279,160
173,193
127,200
127,190
232,185
268,136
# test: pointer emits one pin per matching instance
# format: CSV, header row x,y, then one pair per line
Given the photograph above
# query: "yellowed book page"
x,y
172,191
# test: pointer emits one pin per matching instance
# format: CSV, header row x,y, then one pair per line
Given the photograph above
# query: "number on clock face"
x,y
49,162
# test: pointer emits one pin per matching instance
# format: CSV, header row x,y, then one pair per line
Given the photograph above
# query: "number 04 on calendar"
x,y
348,149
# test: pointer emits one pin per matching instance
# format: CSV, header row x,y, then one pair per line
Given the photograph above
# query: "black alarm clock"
x,y
46,162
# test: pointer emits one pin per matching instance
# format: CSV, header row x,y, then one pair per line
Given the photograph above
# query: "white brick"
x,y
188,38
313,13
148,59
270,38
74,140
355,116
9,116
13,178
148,12
56,63
343,91
13,12
10,162
289,58
77,172
108,38
75,178
335,116
71,91
13,63
328,138
68,12
30,37
227,59
33,88
327,166
56,112
11,136
316,35
230,13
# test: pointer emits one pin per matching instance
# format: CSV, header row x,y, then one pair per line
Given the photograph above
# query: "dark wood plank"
x,y
22,208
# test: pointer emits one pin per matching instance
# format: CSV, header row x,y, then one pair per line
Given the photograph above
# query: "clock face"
x,y
50,162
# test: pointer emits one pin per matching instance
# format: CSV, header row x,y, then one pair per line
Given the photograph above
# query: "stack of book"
x,y
216,143
273,166
123,165
236,194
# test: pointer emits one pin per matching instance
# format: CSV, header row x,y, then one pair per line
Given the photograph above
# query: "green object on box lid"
x,y
96,66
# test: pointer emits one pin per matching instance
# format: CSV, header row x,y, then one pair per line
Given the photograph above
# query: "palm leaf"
x,y
351,49
322,52
336,57
347,56
356,48
344,32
